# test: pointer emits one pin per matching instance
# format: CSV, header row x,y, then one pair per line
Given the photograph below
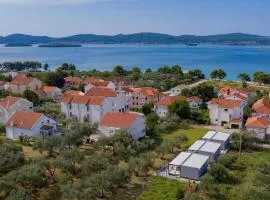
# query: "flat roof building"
x,y
188,165
218,137
204,147
194,167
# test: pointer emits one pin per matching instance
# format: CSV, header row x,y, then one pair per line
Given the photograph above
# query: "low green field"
x,y
192,134
163,189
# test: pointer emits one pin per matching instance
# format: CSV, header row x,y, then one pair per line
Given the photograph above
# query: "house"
x,y
188,165
73,92
31,124
50,92
258,125
218,137
162,106
93,82
226,112
117,98
71,81
11,74
176,91
194,101
142,96
21,83
85,108
262,108
207,148
132,122
9,105
245,94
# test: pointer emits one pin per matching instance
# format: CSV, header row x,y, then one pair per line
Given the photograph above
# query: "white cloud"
x,y
50,2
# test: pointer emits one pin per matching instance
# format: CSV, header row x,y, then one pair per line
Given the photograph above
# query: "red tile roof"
x,y
9,101
90,100
47,89
262,106
73,80
167,101
21,79
101,92
73,92
119,119
91,80
24,119
257,122
194,98
226,103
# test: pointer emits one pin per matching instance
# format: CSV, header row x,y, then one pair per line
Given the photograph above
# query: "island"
x,y
59,45
18,45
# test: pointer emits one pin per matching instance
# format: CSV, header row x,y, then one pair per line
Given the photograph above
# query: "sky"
x,y
59,18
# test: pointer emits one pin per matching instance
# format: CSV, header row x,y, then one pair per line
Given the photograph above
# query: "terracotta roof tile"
x,y
91,80
73,92
24,119
73,80
101,92
262,106
226,103
167,101
257,122
9,101
119,119
47,89
22,80
90,100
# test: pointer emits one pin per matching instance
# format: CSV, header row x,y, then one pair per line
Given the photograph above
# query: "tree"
x,y
259,77
205,91
243,77
11,156
55,79
66,66
196,73
218,172
119,70
46,66
139,166
51,144
148,70
218,74
94,164
147,108
31,96
176,69
181,108
151,122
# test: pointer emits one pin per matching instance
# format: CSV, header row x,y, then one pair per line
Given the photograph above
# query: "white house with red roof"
x,y
262,108
162,106
132,122
50,92
9,105
21,83
143,95
94,82
85,108
72,81
117,98
226,112
244,94
31,124
258,125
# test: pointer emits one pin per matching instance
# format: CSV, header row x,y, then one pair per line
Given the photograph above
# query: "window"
x,y
137,98
133,98
48,121
70,106
145,98
226,110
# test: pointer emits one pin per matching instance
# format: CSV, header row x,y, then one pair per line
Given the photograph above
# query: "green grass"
x,y
162,188
193,134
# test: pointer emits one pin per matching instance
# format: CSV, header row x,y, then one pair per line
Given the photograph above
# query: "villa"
x,y
21,83
132,122
50,92
31,124
258,125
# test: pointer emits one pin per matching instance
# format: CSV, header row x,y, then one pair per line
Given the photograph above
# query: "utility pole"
x,y
240,145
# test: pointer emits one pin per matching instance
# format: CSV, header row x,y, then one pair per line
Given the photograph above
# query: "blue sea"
x,y
233,59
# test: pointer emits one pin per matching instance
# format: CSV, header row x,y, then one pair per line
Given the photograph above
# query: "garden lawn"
x,y
192,134
163,188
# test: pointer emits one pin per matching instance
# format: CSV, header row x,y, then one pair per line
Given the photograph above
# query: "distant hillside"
x,y
146,38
